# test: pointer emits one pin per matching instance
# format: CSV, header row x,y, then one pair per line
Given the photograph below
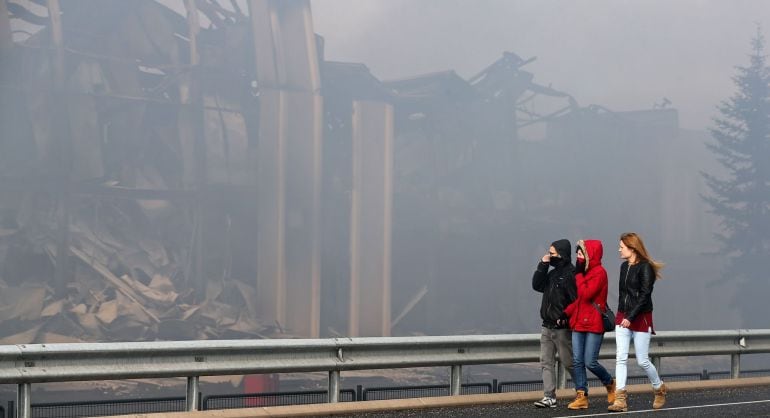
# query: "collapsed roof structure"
x,y
203,172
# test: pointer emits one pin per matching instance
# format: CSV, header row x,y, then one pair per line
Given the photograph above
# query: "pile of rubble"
x,y
125,284
131,268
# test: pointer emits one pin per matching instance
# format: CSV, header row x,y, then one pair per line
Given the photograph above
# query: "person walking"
x,y
638,274
585,320
558,289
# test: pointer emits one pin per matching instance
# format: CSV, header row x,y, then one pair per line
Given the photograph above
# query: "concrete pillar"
x,y
371,217
271,195
289,165
302,213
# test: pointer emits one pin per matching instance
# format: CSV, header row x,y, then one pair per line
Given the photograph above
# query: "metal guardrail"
x,y
33,363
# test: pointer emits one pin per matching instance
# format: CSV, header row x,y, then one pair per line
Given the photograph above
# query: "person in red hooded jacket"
x,y
586,322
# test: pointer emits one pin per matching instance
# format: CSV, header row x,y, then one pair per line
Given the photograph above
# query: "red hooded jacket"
x,y
591,287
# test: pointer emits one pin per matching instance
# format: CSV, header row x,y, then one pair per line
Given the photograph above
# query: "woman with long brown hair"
x,y
638,274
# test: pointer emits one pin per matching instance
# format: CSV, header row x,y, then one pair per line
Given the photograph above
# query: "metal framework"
x,y
25,364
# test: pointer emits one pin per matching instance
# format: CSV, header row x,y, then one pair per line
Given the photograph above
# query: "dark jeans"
x,y
585,353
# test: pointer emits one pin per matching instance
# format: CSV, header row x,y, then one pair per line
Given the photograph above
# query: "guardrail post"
x,y
456,380
561,376
334,386
656,362
735,366
192,397
23,401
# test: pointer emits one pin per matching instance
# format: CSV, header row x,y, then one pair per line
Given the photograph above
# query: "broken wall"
x,y
141,198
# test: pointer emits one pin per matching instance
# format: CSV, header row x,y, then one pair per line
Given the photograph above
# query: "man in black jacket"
x,y
559,290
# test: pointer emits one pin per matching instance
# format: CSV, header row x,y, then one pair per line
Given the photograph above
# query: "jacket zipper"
x,y
625,284
550,296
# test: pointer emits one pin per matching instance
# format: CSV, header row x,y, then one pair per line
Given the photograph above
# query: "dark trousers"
x,y
554,341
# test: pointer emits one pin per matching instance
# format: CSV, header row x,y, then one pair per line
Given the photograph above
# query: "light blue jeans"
x,y
623,337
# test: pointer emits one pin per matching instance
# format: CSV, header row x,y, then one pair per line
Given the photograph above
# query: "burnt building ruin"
x,y
203,172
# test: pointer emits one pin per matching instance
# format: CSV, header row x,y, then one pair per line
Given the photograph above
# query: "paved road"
x,y
730,402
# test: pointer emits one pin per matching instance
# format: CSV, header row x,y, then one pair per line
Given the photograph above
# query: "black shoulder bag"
x,y
608,317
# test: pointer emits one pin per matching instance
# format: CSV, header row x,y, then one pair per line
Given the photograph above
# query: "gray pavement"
x,y
729,402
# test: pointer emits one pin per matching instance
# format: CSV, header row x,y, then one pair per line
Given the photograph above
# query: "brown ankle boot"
x,y
580,402
611,392
660,397
620,404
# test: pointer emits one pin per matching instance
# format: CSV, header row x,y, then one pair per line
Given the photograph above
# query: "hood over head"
x,y
593,250
564,249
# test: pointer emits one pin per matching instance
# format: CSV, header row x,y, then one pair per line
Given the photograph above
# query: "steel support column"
x,y
334,386
455,384
24,401
193,393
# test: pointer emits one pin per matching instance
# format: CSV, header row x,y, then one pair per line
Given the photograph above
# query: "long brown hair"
x,y
633,241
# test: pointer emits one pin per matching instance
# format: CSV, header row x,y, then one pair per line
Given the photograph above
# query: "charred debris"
x,y
129,168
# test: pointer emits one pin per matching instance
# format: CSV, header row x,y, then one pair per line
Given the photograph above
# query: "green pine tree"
x,y
741,199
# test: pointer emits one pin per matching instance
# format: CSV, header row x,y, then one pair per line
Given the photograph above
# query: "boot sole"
x,y
577,407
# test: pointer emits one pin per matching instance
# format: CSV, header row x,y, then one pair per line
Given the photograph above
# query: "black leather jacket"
x,y
636,283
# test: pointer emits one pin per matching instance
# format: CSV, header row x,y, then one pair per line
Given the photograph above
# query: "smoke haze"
x,y
228,166
624,55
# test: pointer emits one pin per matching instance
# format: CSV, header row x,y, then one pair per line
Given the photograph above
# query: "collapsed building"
x,y
199,170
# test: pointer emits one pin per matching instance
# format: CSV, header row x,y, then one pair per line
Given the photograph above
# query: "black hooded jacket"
x,y
557,286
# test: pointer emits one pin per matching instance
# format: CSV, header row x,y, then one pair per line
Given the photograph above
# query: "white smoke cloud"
x,y
624,54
